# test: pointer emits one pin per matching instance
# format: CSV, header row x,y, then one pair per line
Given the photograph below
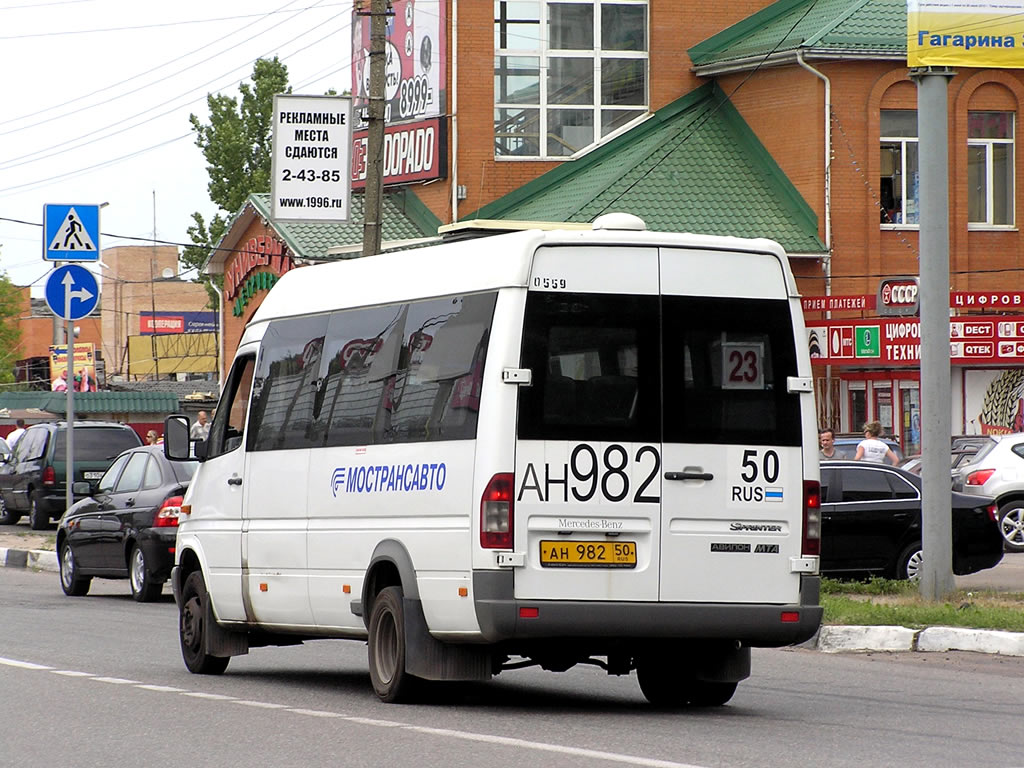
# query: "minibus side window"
x,y
595,365
403,373
286,383
229,419
433,392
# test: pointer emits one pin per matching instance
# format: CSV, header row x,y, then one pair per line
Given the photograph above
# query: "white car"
x,y
998,471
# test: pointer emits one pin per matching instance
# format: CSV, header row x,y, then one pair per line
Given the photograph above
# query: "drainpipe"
x,y
828,203
220,335
455,111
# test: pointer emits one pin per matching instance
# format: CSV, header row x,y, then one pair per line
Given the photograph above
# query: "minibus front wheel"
x,y
387,647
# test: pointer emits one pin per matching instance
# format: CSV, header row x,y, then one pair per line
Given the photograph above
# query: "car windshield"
x,y
92,444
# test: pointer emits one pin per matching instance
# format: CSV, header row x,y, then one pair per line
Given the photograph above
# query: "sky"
x,y
96,102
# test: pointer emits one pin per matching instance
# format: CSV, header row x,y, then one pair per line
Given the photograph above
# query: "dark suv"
x,y
33,478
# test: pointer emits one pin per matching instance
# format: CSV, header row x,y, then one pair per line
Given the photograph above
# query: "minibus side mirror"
x,y
176,438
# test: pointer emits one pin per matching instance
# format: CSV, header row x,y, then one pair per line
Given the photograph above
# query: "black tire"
x,y
910,562
707,694
387,646
7,516
661,684
71,581
145,589
666,685
192,629
1011,525
37,519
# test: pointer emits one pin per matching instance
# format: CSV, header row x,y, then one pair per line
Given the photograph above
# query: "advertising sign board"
x,y
310,159
894,342
415,65
962,33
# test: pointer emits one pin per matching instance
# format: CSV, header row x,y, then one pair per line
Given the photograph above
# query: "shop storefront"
x,y
869,370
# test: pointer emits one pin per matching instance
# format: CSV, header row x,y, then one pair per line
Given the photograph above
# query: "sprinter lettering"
x,y
611,476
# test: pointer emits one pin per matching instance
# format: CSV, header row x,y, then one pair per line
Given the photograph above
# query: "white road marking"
x,y
484,738
260,704
21,664
72,673
161,688
211,696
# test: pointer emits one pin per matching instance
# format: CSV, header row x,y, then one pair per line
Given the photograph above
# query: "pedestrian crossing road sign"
x,y
71,232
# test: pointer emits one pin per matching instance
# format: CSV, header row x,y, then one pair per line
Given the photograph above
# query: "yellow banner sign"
x,y
83,368
965,33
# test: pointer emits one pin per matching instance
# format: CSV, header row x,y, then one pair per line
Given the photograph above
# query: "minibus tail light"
x,y
496,512
812,518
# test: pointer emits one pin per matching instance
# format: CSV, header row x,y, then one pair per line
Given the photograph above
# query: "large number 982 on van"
x,y
547,447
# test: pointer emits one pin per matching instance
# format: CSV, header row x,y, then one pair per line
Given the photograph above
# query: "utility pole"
x,y
936,421
372,192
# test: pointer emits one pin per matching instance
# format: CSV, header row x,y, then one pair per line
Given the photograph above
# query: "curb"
x,y
828,639
37,559
840,639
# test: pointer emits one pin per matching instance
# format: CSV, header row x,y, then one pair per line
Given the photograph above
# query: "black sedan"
x,y
871,524
126,529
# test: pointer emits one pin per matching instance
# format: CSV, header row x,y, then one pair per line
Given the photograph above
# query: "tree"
x,y
236,144
10,329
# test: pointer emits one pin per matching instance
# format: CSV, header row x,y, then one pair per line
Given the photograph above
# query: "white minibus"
x,y
552,446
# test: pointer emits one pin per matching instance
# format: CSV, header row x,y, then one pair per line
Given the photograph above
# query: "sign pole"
x,y
69,351
936,580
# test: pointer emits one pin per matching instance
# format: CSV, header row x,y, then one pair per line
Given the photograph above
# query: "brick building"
x,y
133,287
794,120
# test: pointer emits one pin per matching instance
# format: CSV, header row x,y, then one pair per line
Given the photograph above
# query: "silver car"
x,y
997,470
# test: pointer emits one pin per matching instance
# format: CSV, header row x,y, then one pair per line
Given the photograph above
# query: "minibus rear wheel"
x,y
387,647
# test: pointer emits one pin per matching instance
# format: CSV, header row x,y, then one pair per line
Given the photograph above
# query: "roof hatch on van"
x,y
625,221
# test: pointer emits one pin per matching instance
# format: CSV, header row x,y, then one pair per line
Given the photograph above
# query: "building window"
x,y
566,74
990,168
900,175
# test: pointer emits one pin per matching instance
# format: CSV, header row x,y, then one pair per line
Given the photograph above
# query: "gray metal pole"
x,y
936,420
69,356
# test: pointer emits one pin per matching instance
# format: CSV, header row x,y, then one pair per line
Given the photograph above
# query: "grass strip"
x,y
887,602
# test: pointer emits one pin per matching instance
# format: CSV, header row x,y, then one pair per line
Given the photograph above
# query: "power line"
x,y
152,26
203,47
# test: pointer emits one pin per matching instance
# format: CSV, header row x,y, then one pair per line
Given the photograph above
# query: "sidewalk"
x,y
829,639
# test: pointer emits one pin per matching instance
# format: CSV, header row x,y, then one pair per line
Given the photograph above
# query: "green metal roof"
x,y
92,402
404,218
818,28
694,166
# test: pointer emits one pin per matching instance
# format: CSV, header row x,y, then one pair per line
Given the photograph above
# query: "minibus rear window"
x,y
726,363
683,369
596,372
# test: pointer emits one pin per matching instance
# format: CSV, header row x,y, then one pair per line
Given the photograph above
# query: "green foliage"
x,y
871,586
237,145
979,610
10,327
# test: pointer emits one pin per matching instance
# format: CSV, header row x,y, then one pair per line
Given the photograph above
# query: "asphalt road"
x,y
98,681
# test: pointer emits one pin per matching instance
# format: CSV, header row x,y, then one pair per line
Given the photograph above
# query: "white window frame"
x,y
543,54
988,145
904,142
